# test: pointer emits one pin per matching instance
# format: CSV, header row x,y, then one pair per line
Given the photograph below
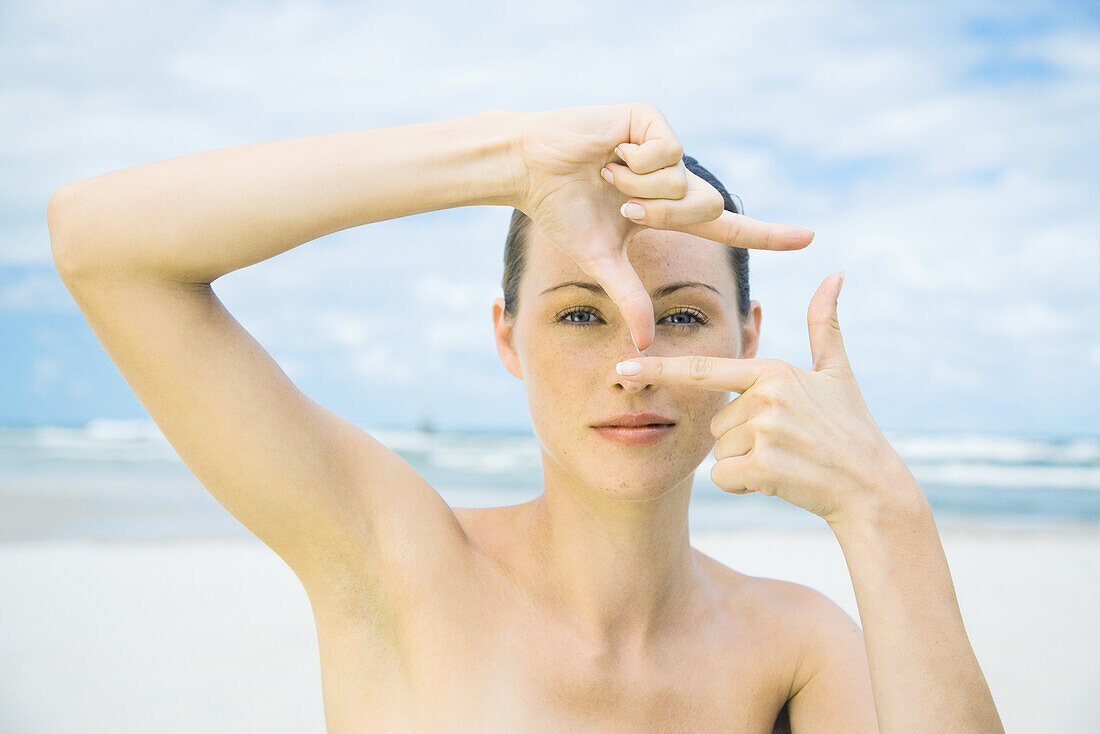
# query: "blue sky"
x,y
944,153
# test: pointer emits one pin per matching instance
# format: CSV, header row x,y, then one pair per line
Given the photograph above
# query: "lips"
x,y
634,429
635,420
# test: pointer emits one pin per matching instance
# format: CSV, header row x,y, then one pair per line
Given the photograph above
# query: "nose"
x,y
632,386
618,382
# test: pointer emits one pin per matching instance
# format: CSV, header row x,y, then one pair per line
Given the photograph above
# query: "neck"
x,y
622,570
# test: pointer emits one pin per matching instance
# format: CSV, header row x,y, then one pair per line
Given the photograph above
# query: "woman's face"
x,y
565,341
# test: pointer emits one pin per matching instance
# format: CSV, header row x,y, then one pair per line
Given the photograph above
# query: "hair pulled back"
x,y
515,247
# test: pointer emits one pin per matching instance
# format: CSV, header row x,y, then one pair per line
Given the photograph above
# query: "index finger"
x,y
709,373
737,230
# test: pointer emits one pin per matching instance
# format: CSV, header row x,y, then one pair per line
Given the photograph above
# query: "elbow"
x,y
61,220
79,219
98,229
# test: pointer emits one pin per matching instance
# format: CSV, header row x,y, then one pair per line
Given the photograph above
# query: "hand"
x,y
562,191
803,435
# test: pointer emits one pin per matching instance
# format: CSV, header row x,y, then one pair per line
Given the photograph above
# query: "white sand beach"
x,y
217,635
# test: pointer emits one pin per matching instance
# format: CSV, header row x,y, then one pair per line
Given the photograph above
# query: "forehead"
x,y
658,257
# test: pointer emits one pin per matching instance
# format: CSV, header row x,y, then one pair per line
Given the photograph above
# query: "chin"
x,y
637,471
634,493
643,473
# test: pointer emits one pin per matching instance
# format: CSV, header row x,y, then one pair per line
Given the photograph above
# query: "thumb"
x,y
826,344
624,287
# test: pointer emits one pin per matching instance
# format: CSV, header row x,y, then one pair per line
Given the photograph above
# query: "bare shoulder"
x,y
821,667
756,593
785,601
786,616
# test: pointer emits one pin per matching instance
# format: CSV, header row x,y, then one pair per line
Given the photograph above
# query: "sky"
x,y
945,154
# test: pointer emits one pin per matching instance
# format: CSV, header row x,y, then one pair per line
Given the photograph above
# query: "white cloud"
x,y
344,328
1094,355
943,373
378,361
37,291
26,242
296,369
1027,321
962,208
1075,51
46,373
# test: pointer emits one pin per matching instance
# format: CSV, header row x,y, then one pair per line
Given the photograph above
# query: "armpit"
x,y
782,722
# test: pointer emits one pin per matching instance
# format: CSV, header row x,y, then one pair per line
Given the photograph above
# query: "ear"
x,y
750,332
503,329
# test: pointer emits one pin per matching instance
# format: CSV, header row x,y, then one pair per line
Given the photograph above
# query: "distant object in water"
x,y
424,422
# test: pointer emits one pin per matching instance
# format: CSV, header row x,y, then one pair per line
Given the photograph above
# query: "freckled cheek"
x,y
566,360
561,377
700,406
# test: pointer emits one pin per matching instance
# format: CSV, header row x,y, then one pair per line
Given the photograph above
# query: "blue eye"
x,y
684,318
680,318
583,316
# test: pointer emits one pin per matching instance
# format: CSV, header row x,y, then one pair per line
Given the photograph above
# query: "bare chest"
x,y
487,663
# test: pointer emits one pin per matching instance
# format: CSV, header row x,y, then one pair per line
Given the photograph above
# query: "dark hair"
x,y
516,242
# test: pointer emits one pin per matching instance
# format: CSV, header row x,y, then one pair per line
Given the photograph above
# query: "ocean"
x,y
122,480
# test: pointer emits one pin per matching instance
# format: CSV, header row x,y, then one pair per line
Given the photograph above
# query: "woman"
x,y
585,609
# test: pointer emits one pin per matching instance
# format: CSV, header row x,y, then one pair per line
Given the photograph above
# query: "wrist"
x,y
892,501
510,127
498,151
463,161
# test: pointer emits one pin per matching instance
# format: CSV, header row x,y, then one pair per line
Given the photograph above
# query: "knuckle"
x,y
699,368
624,177
657,216
769,240
755,459
765,396
713,206
720,475
729,446
724,442
766,425
785,379
676,150
716,424
777,369
678,185
733,229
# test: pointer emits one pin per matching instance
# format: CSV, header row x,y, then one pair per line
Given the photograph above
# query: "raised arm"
x,y
807,437
193,219
138,250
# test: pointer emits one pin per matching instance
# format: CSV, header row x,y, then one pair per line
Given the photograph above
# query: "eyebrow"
x,y
658,293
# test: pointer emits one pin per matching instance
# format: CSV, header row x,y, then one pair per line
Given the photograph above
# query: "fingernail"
x,y
608,176
628,368
631,210
619,152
